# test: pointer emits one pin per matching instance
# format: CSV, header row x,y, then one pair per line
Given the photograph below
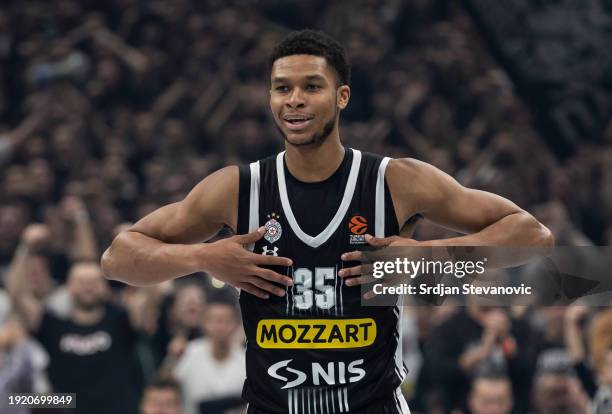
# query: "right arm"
x,y
166,244
29,308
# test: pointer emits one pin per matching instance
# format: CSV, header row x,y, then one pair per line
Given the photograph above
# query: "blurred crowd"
x,y
111,109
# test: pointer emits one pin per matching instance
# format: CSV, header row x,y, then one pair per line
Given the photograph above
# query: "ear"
x,y
343,94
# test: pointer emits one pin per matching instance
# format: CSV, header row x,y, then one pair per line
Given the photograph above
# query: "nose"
x,y
295,99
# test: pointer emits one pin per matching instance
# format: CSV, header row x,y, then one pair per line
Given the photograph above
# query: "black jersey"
x,y
317,349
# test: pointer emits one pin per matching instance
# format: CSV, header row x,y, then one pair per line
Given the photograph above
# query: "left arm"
x,y
487,219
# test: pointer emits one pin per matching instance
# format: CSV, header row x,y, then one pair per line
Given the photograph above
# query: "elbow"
x,y
541,235
117,263
106,264
548,239
112,260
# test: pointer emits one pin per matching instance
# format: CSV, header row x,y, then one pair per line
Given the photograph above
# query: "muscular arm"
x,y
160,246
486,218
166,244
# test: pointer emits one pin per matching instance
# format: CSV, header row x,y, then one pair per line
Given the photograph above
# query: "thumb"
x,y
378,241
252,237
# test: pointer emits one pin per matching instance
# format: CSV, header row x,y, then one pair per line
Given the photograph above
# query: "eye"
x,y
281,88
312,87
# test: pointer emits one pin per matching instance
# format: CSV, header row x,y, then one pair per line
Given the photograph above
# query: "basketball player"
x,y
311,346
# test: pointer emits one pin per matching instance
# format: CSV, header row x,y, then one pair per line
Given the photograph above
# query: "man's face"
x,y
87,285
220,322
491,397
554,394
189,306
305,99
160,401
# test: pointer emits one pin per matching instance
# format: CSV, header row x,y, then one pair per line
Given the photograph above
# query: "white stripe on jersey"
x,y
321,400
349,190
346,398
399,361
254,200
379,223
403,405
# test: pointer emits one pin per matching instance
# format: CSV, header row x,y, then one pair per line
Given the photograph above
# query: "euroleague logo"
x,y
358,225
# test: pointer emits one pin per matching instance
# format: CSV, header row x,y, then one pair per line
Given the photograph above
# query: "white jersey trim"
x,y
401,401
349,190
254,200
379,223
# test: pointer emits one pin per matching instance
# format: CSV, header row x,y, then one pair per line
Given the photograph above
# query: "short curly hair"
x,y
317,43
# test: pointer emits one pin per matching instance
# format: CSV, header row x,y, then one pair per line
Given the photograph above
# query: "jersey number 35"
x,y
324,295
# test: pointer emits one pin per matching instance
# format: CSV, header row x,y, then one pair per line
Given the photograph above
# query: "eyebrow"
x,y
280,79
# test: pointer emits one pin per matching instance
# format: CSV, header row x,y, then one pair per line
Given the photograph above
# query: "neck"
x,y
220,351
316,163
88,317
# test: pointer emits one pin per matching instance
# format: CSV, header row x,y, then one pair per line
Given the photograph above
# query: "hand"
x,y
72,209
361,274
12,333
177,346
575,313
229,261
36,235
497,324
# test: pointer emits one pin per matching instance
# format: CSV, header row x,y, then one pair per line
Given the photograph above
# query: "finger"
x,y
354,256
250,238
267,286
262,259
379,241
369,295
253,290
351,271
359,280
386,282
273,276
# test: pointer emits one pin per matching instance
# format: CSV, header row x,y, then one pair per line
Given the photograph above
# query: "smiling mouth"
x,y
296,123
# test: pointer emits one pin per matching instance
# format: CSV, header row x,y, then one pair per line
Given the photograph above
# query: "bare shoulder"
x,y
413,185
409,174
223,180
403,168
216,196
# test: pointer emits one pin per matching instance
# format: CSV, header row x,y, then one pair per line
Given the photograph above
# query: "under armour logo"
x,y
270,252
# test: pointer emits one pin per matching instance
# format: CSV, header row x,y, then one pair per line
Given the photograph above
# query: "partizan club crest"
x,y
273,228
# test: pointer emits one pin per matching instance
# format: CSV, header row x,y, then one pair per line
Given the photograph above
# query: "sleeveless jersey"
x,y
318,349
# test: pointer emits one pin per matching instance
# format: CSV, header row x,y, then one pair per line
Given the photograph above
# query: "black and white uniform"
x,y
317,350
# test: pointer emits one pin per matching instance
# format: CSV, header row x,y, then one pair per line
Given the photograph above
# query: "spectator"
x,y
476,340
16,365
162,396
558,391
179,322
601,351
216,353
91,351
563,344
490,395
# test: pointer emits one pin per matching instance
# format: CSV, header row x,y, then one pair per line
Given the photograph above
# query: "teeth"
x,y
297,119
